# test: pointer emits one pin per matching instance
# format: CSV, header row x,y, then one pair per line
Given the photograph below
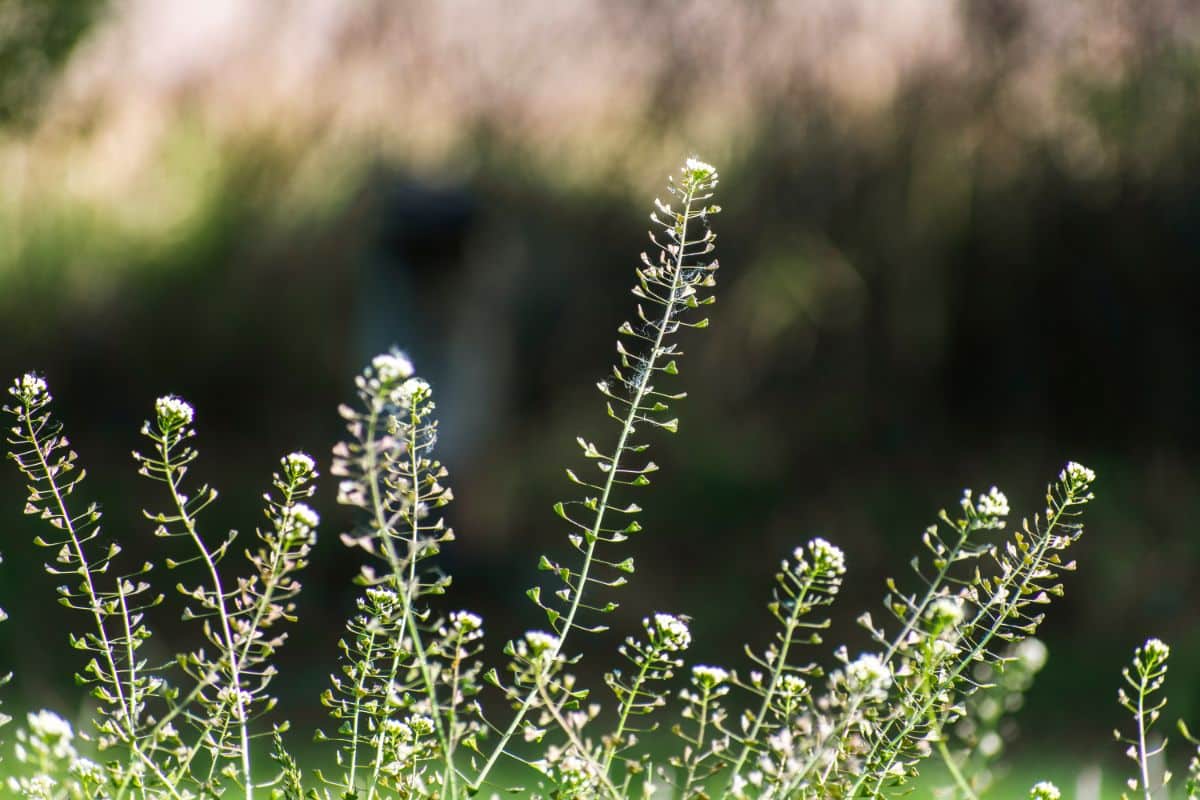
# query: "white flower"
x,y
537,646
87,769
1044,790
1076,475
945,612
49,727
671,631
173,411
411,388
826,558
699,170
304,516
709,676
1156,650
392,367
396,729
420,724
382,597
793,685
29,388
299,465
869,676
993,504
466,621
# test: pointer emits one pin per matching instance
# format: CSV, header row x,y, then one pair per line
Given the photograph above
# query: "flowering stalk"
x,y
1148,675
673,281
809,580
230,687
701,748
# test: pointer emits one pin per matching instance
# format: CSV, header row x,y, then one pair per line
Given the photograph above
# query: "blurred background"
x,y
959,248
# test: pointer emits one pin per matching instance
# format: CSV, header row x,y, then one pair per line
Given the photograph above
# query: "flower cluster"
x,y
1076,475
869,677
710,677
826,558
669,631
391,367
173,412
29,389
1044,790
992,504
299,466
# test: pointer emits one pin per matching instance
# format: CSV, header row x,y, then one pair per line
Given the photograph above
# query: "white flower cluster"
x,y
992,504
49,727
538,648
793,686
698,170
299,465
381,599
173,411
87,769
29,388
391,367
1076,475
709,676
869,676
945,612
304,515
465,621
412,389
1155,650
1044,790
826,558
670,631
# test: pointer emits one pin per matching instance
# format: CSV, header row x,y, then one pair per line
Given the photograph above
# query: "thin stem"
x,y
593,537
799,607
235,675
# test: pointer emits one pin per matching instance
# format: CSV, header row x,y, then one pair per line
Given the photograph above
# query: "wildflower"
x,y
420,724
304,516
87,769
670,631
826,558
299,465
993,504
49,727
945,612
699,171
397,730
540,641
793,686
392,367
413,390
173,412
1076,475
465,621
29,388
869,676
710,677
1156,651
1044,790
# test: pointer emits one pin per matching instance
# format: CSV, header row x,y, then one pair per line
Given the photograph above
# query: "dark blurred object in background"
x,y
958,247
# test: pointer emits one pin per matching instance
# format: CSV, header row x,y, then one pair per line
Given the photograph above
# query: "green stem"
x,y
593,537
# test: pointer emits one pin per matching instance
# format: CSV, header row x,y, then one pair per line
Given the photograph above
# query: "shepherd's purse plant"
x,y
415,710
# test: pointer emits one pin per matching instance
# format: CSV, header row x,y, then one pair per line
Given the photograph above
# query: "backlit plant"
x,y
415,710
